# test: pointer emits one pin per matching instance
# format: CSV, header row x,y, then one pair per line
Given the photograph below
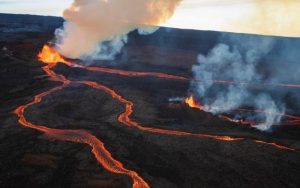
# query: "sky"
x,y
187,15
36,7
269,17
187,11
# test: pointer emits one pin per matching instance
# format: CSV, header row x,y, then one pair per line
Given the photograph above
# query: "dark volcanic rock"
x,y
30,159
15,23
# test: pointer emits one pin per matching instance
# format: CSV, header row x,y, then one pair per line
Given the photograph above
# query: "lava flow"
x,y
193,103
274,145
125,117
103,156
170,76
50,57
129,73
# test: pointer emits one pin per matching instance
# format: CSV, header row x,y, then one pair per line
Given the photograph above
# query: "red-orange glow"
x,y
275,145
130,73
125,117
102,155
242,122
191,102
50,56
290,119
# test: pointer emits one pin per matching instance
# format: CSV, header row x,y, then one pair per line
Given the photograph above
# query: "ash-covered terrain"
x,y
29,158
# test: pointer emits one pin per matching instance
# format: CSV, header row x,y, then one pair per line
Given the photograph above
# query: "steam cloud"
x,y
249,59
263,17
98,29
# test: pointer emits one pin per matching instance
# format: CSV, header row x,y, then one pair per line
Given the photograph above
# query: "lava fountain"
x,y
125,117
290,119
50,57
191,102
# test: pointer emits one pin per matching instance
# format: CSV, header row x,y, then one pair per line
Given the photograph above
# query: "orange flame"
x,y
191,102
50,56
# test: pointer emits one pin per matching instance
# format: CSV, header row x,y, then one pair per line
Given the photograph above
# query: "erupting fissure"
x,y
191,102
51,57
290,119
49,53
173,77
125,117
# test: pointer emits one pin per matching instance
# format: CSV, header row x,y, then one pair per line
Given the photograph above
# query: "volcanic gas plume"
x,y
50,57
244,60
97,29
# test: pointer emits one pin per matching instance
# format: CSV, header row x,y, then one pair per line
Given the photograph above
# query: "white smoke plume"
x,y
97,29
263,17
238,62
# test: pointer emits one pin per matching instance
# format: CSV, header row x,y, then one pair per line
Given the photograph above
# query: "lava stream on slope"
x,y
125,117
172,77
51,57
290,119
102,155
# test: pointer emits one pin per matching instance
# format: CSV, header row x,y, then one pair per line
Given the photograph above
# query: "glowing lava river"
x,y
290,119
50,57
78,136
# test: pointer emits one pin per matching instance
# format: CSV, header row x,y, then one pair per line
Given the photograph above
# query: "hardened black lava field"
x,y
124,123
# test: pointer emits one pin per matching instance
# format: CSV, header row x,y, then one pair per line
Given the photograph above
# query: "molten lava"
x,y
80,136
191,102
125,117
274,145
51,57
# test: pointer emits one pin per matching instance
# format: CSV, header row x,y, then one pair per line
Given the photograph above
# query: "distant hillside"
x,y
10,23
195,40
168,37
